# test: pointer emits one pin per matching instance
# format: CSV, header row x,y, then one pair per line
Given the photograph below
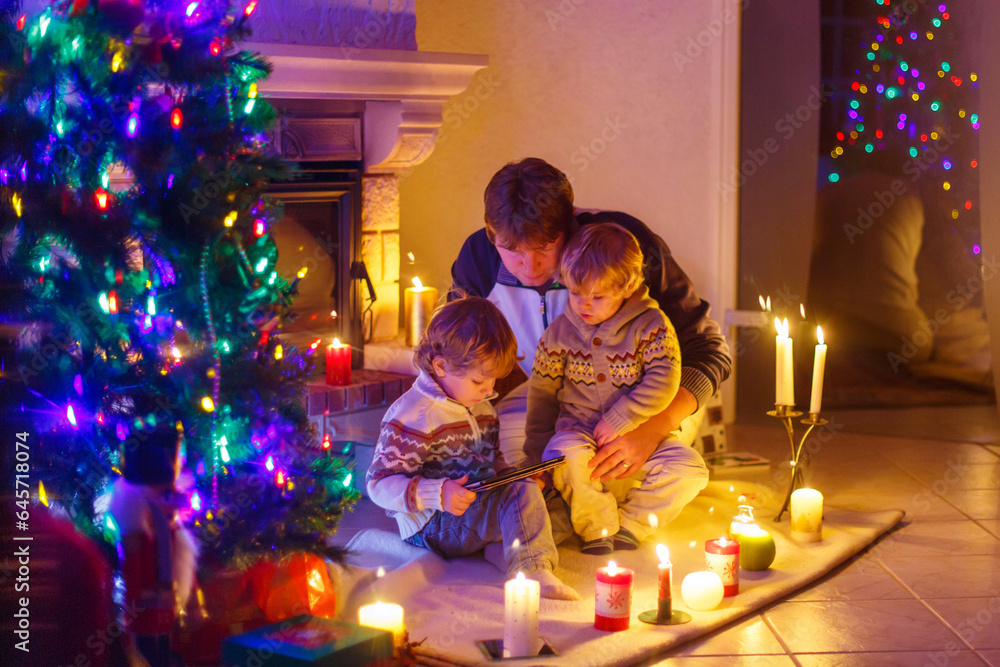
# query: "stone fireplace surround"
x,y
383,108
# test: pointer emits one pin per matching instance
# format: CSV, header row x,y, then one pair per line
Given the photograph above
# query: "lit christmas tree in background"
x,y
912,110
133,164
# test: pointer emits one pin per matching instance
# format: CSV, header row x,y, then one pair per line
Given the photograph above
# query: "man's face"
x,y
533,266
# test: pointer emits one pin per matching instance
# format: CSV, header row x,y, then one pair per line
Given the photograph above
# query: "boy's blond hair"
x,y
469,333
602,255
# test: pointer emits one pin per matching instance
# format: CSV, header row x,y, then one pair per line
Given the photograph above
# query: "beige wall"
x,y
569,75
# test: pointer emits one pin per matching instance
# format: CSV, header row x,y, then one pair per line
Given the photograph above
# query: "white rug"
x,y
449,604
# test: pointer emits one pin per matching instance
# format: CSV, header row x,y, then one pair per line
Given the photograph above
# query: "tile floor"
x,y
928,593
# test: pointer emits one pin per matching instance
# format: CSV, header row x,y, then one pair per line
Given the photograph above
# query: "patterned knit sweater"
x,y
425,439
626,370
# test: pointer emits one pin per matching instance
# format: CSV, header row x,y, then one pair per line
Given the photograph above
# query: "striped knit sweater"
x,y
626,370
425,439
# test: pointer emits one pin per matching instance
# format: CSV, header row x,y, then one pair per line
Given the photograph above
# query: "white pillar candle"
x,y
819,368
418,307
807,515
384,616
779,361
520,617
788,367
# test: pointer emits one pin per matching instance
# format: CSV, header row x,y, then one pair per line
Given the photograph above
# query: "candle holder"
x,y
661,616
787,413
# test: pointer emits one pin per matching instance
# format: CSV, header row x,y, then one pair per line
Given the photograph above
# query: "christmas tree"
x,y
133,169
911,111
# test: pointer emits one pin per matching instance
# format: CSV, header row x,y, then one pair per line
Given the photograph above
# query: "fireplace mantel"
x,y
404,92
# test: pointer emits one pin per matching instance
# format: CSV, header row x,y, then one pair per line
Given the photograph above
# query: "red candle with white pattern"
x,y
722,556
613,597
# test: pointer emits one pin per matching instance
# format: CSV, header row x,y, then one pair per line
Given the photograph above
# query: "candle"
x,y
788,368
722,556
664,598
702,591
613,597
757,548
338,364
807,515
779,362
520,617
385,617
418,306
743,518
819,367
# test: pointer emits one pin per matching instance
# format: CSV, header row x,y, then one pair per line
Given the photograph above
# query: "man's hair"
x,y
602,255
469,333
528,202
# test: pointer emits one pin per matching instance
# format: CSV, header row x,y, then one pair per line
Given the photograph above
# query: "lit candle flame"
x,y
520,576
380,572
769,304
663,553
723,541
653,520
760,299
612,568
802,310
777,326
516,544
410,256
336,342
416,283
819,335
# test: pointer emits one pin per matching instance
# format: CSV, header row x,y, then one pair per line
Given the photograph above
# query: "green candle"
x,y
756,548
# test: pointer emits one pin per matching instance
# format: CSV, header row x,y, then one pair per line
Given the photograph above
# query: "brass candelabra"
x,y
788,413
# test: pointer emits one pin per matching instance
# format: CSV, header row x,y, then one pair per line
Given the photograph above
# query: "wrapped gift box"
x,y
310,640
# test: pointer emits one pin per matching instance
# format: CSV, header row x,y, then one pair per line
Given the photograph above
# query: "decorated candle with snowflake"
x,y
722,556
613,597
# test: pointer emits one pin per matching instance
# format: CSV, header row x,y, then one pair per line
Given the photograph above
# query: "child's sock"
x,y
551,587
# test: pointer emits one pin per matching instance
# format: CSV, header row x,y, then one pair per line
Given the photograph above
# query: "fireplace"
x,y
318,240
352,120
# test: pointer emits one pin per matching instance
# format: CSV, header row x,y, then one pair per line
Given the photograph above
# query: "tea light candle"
x,y
613,597
418,306
807,515
702,591
757,548
384,616
664,598
722,556
338,364
520,617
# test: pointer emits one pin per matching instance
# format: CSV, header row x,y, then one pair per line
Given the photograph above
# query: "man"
x,y
514,263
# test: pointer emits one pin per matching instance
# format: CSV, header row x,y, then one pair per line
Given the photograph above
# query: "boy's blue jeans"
x,y
513,514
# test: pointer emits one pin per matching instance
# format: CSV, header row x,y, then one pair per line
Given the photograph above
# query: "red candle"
x,y
338,364
613,597
664,598
722,556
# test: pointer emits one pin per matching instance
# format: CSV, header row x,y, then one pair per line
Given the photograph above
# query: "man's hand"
x,y
603,434
455,498
635,447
